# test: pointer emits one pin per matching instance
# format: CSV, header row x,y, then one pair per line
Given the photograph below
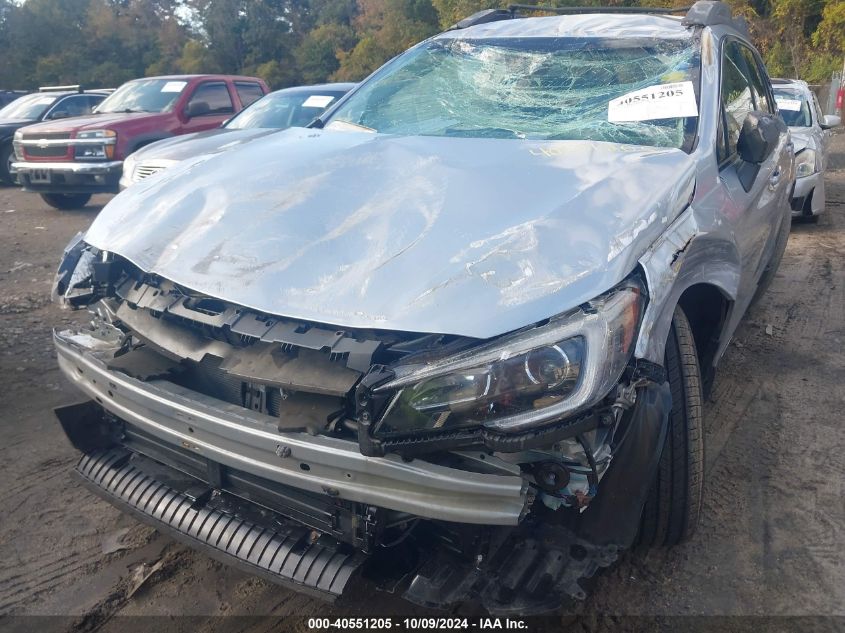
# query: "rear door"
x,y
758,201
248,92
208,107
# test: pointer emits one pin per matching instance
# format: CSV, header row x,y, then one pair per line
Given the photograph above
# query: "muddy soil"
x,y
772,539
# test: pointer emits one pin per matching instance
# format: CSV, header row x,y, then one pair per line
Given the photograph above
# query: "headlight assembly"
x,y
805,163
521,380
129,164
105,134
16,144
91,149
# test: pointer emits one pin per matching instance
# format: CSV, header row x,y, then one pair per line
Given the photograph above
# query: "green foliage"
x,y
105,42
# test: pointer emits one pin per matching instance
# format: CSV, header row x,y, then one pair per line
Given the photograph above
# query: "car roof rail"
x,y
483,17
514,8
513,11
71,88
713,13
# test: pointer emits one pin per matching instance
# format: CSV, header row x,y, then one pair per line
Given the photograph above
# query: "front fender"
x,y
682,257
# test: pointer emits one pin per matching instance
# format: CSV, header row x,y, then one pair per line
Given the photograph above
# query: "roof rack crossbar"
x,y
702,13
615,9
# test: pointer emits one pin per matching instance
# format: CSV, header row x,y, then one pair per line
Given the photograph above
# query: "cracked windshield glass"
x,y
640,92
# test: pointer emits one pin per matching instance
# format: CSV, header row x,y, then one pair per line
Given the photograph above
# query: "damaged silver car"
x,y
810,132
458,342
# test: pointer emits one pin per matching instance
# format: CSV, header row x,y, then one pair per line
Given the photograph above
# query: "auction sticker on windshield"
x,y
793,105
665,101
317,101
173,86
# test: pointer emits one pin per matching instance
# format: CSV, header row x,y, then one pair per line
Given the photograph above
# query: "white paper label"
x,y
317,101
788,104
664,101
173,86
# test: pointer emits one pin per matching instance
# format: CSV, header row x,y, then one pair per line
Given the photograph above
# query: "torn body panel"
x,y
675,263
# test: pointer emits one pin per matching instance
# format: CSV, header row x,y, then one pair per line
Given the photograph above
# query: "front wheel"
x,y
7,157
66,201
673,506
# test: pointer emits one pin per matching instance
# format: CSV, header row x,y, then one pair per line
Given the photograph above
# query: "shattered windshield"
x,y
793,107
624,91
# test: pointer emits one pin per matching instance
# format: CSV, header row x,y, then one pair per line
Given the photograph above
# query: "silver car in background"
x,y
279,110
810,133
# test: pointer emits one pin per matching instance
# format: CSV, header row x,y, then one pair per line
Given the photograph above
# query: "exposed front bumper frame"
x,y
249,441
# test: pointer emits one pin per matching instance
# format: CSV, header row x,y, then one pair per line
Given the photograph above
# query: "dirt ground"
x,y
772,540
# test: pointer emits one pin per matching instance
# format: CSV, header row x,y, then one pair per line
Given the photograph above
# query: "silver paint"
x,y
370,230
455,235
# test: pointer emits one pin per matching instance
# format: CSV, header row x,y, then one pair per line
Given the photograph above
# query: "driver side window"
x,y
77,105
211,98
737,99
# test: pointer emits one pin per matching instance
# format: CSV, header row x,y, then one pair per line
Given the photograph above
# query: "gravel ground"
x,y
770,544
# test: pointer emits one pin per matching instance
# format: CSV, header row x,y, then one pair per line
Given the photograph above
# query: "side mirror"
x,y
60,114
197,108
829,121
759,136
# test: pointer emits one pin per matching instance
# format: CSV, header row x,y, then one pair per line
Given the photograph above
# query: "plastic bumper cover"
x,y
804,188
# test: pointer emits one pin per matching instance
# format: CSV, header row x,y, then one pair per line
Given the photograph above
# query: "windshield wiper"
x,y
123,111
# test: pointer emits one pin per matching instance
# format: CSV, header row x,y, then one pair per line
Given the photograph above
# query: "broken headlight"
x,y
524,379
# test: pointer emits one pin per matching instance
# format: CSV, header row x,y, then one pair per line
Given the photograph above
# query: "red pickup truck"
x,y
68,161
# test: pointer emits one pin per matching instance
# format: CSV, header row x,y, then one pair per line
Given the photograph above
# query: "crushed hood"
x,y
475,237
190,145
802,138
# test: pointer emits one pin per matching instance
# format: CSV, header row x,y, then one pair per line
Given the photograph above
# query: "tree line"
x,y
102,43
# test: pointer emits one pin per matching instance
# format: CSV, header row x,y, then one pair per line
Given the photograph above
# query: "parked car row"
x,y
49,104
810,132
67,161
290,107
457,332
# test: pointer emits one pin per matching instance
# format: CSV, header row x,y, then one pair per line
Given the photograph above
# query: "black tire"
x,y
673,507
771,268
7,155
66,201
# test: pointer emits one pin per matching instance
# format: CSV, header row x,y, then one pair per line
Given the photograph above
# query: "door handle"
x,y
774,179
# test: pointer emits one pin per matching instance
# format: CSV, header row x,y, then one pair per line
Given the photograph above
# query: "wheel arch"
x,y
701,273
147,139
